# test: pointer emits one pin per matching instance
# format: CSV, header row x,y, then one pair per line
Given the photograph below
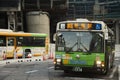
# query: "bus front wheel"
x,y
66,71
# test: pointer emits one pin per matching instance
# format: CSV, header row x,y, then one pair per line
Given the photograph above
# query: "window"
x,y
79,0
10,41
2,41
31,41
80,41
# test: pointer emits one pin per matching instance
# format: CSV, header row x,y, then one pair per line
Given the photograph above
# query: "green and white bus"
x,y
84,46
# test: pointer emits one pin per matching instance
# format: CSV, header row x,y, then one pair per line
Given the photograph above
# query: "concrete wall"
x,y
38,22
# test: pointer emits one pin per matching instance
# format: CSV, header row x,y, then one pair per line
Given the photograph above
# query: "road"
x,y
44,70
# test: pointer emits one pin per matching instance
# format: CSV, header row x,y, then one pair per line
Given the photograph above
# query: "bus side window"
x,y
2,41
19,43
10,42
61,40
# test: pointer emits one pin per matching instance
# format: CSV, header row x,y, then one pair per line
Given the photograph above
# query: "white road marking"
x,y
6,71
51,67
113,72
32,71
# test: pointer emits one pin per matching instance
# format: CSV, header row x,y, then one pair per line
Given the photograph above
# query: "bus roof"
x,y
103,27
76,20
22,34
5,30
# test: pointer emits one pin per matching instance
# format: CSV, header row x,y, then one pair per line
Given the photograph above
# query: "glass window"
x,y
102,0
31,41
71,0
91,0
9,3
2,41
79,0
39,41
10,41
80,41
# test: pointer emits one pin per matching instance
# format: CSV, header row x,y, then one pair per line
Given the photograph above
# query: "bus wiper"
x,y
69,49
85,48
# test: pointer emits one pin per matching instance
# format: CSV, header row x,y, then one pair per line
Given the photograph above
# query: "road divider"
x,y
30,59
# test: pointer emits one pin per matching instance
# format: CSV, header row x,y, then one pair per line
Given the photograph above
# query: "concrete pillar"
x,y
117,29
11,20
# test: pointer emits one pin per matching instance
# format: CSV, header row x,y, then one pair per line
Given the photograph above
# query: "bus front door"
x,y
10,47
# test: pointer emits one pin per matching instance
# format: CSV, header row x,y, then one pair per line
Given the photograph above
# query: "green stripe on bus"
x,y
89,59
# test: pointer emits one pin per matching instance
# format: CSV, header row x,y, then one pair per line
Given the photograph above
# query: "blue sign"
x,y
98,27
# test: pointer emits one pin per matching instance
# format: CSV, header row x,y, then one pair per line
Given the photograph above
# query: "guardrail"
x,y
10,61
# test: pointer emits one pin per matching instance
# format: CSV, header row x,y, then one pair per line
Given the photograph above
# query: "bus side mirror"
x,y
54,37
106,36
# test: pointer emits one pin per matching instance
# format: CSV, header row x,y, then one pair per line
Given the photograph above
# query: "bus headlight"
x,y
58,60
100,63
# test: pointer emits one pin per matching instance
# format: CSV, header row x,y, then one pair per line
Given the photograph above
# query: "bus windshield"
x,y
31,41
80,41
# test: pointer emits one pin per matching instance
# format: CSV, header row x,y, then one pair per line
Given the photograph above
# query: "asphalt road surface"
x,y
44,70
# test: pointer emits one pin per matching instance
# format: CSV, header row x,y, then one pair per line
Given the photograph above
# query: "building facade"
x,y
94,9
13,12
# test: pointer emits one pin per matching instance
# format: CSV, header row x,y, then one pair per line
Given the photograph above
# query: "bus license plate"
x,y
77,69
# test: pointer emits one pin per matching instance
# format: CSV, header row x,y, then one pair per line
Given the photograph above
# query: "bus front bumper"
x,y
80,69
